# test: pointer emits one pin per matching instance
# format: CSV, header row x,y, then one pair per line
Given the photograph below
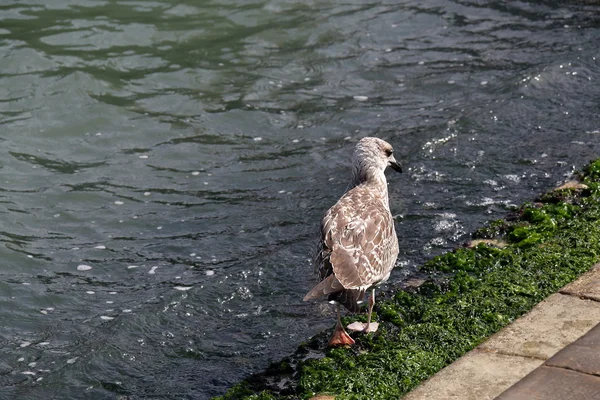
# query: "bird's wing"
x,y
362,243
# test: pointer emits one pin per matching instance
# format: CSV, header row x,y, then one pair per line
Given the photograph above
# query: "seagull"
x,y
358,246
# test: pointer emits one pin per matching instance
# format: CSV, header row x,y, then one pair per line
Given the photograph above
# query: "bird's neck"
x,y
374,178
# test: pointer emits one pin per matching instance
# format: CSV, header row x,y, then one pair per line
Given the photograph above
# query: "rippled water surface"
x,y
164,165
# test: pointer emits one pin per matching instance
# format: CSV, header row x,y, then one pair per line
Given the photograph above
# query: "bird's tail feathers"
x,y
324,289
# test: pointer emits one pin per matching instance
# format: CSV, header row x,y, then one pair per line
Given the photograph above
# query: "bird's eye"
x,y
389,152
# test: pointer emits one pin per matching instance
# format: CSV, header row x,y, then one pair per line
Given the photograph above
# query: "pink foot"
x,y
340,338
362,327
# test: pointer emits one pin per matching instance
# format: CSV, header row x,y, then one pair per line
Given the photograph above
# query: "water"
x,y
185,151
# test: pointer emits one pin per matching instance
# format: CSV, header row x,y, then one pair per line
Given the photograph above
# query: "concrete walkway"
x,y
536,357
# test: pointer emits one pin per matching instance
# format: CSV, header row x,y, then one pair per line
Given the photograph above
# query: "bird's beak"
x,y
396,166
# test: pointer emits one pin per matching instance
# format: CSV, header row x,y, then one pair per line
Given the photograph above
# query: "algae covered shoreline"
x,y
469,294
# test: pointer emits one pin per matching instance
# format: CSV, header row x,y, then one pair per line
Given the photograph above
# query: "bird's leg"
x,y
371,326
340,337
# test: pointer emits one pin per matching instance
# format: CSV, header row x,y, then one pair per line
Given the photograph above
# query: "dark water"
x,y
201,141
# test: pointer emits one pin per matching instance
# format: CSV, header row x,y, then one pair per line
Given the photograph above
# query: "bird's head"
x,y
372,153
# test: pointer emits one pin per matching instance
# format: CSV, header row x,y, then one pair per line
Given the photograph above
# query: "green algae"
x,y
471,294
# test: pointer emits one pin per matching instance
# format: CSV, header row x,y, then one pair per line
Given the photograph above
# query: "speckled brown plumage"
x,y
358,245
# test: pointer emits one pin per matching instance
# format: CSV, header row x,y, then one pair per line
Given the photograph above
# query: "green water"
x,y
185,151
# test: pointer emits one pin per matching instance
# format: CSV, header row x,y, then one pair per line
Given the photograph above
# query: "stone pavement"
x,y
545,354
573,373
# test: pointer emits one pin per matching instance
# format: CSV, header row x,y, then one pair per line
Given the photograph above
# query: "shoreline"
x,y
470,293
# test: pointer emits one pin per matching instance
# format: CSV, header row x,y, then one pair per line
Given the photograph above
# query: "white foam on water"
x,y
25,344
100,247
438,241
152,270
447,223
183,288
196,173
72,360
143,156
119,203
90,292
106,318
360,98
132,266
210,272
513,178
83,267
